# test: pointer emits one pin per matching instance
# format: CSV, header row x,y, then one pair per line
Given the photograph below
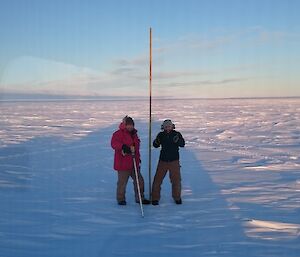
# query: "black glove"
x,y
126,149
176,138
156,142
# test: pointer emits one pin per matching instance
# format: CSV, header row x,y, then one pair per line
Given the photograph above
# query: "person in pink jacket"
x,y
125,142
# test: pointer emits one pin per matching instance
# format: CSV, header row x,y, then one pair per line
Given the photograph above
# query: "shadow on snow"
x,y
58,199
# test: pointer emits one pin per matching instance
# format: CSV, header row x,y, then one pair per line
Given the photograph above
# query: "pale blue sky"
x,y
211,48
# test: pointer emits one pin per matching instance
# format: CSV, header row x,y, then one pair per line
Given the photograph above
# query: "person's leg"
x,y
141,184
175,178
158,179
121,184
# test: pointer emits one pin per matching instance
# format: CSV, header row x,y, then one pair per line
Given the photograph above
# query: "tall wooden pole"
x,y
150,113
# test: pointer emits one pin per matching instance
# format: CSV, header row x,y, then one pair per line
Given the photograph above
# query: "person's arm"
x,y
181,141
116,141
178,139
157,141
136,148
137,143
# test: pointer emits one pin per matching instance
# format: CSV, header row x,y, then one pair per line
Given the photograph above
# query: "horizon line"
x,y
134,98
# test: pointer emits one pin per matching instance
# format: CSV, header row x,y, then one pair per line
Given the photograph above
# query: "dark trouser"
x,y
175,177
123,177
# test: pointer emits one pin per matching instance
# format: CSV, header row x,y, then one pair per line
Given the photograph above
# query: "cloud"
x,y
257,36
132,73
251,36
205,82
126,77
202,43
122,70
165,75
141,59
197,42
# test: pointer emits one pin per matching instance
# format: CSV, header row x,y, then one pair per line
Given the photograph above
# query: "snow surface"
x,y
240,169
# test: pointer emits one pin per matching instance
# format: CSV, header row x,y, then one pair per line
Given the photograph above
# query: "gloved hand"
x,y
126,149
157,141
176,138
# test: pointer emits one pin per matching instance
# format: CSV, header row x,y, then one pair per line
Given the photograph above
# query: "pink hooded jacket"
x,y
120,137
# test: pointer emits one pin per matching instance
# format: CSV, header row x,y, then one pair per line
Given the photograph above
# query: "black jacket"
x,y
169,146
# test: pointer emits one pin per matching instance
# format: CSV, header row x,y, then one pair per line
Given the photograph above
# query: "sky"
x,y
205,49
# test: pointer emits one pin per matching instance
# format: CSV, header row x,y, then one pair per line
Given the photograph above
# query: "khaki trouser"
x,y
175,177
123,177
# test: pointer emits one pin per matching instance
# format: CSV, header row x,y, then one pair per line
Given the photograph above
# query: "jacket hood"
x,y
122,126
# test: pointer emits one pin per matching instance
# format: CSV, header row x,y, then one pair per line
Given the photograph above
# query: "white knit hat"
x,y
167,123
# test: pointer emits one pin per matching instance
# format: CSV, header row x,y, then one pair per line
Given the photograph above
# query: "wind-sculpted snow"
x,y
240,169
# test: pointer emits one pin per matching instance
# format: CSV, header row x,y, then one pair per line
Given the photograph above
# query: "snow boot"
x,y
144,201
178,201
155,202
122,202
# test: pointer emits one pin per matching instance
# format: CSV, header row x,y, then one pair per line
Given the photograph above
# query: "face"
x,y
129,127
168,128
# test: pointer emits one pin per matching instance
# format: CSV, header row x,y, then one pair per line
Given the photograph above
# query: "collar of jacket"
x,y
123,128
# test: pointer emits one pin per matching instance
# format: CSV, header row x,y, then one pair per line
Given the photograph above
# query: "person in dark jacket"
x,y
126,142
170,140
